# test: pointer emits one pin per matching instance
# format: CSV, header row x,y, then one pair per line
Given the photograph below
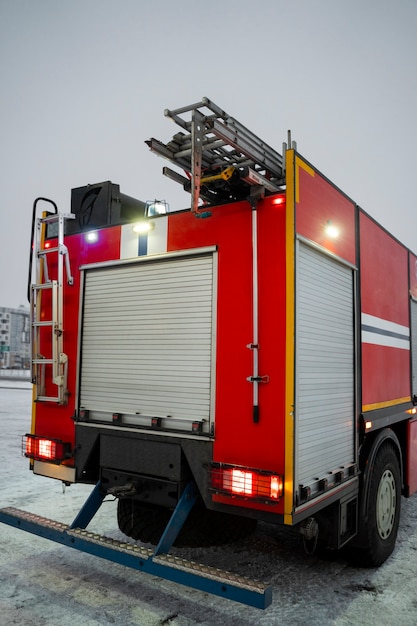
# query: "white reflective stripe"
x,y
381,332
128,242
157,238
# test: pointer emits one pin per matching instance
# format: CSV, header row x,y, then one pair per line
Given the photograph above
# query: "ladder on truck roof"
x,y
46,305
222,159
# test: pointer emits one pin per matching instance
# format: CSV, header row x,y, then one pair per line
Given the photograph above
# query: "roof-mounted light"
x,y
156,207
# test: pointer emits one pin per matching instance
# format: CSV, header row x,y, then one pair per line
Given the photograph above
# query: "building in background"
x,y
14,338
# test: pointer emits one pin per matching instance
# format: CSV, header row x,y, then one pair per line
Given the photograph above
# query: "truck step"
x,y
213,573
202,577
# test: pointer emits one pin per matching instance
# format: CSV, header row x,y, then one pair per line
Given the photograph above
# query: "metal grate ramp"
x,y
202,577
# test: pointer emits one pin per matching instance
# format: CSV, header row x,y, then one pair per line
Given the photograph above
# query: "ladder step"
x,y
54,217
40,286
205,578
44,323
47,251
43,361
48,399
213,573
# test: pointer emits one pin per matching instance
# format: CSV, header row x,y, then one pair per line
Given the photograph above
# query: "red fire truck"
x,y
251,358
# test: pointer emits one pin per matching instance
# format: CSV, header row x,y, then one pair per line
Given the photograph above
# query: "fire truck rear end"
x,y
254,354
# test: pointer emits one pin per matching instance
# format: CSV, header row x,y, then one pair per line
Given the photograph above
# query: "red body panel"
x,y
385,296
238,439
383,267
384,273
385,376
319,205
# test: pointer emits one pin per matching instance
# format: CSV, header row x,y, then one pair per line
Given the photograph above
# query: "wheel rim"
x,y
386,504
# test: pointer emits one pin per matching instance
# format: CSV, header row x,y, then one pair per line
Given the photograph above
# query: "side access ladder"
x,y
222,159
46,304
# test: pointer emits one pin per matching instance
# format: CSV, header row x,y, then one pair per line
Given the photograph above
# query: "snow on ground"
x,y
46,584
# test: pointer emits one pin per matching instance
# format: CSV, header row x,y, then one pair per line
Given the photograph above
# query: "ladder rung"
x,y
44,361
48,399
54,217
47,251
39,286
45,323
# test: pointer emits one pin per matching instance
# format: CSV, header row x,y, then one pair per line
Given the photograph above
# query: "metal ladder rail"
x,y
216,140
232,133
215,152
58,359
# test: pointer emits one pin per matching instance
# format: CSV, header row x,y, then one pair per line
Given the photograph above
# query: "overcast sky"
x,y
85,82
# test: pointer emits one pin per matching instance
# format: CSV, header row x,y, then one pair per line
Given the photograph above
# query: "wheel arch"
x,y
367,459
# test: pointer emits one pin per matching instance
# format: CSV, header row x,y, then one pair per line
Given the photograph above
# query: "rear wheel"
x,y
202,527
384,503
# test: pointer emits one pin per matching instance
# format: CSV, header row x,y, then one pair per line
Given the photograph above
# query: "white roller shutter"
x,y
147,341
324,365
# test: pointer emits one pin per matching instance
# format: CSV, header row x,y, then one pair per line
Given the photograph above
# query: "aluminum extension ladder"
x,y
220,156
48,356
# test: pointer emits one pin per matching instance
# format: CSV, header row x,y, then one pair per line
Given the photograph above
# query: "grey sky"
x,y
85,82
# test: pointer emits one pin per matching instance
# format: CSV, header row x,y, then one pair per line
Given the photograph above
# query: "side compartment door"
x,y
147,349
325,371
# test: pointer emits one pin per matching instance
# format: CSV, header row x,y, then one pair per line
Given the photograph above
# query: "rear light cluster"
x,y
247,483
43,449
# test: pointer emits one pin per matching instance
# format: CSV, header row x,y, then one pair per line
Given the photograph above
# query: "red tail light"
x,y
43,449
247,483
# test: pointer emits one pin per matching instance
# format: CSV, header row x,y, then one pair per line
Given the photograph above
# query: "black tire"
x,y
140,523
202,527
379,534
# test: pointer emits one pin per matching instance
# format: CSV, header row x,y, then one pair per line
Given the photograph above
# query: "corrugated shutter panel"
x,y
324,365
414,343
147,339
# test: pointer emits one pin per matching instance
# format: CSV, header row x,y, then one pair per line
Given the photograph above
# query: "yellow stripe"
x,y
289,352
383,405
299,163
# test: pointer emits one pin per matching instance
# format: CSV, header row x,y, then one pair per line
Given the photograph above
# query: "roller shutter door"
x,y
147,341
324,366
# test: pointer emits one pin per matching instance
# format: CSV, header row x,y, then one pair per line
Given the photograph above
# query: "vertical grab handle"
x,y
32,236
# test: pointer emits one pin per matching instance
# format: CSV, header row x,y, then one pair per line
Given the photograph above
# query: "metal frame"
x,y
158,562
136,420
339,478
58,359
214,141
